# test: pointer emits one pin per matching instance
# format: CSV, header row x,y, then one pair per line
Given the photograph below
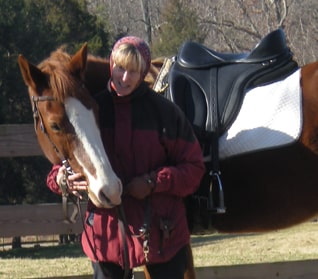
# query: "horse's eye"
x,y
55,127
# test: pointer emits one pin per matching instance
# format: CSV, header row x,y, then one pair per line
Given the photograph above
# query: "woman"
x,y
152,148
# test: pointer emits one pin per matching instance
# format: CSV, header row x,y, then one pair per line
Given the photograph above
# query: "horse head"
x,y
65,120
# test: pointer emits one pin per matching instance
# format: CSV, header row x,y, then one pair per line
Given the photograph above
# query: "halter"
x,y
37,116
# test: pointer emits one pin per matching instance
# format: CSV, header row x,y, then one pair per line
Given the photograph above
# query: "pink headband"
x,y
140,45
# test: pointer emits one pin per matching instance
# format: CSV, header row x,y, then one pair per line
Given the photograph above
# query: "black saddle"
x,y
210,86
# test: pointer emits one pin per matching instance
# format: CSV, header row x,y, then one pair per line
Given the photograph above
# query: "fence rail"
x,y
37,219
18,140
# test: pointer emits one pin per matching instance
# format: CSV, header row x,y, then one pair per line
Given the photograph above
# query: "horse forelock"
x,y
61,80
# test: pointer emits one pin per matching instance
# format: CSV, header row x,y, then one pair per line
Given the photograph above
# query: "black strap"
x,y
144,230
214,123
215,172
122,225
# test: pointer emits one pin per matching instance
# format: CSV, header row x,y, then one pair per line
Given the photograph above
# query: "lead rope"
x,y
123,227
144,230
69,171
66,196
121,221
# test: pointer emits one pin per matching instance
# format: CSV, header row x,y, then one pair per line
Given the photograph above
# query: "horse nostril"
x,y
106,199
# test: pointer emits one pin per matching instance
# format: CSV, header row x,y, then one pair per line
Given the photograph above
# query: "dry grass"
x,y
296,243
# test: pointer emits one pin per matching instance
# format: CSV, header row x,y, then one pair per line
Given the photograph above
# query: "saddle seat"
x,y
271,46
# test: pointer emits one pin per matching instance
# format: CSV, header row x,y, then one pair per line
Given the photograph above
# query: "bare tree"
x,y
230,26
146,19
238,25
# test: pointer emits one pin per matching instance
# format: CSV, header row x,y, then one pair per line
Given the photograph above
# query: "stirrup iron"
x,y
220,207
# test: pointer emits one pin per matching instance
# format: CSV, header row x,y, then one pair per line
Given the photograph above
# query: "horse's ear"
x,y
32,75
78,61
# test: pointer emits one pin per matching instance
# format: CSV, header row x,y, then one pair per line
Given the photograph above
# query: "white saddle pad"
x,y
270,116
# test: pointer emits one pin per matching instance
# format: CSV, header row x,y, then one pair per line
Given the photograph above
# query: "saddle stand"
x,y
210,87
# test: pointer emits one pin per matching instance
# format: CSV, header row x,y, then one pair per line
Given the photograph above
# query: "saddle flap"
x,y
190,99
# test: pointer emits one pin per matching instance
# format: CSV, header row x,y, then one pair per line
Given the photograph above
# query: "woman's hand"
x,y
140,186
75,182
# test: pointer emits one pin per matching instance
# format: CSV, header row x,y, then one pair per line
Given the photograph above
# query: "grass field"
x,y
296,243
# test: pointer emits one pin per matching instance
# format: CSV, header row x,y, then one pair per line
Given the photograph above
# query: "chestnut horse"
x,y
264,190
65,122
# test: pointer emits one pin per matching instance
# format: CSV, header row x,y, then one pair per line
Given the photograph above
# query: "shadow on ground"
x,y
48,252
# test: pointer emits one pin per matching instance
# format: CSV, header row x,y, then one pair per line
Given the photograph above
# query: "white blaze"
x,y
105,181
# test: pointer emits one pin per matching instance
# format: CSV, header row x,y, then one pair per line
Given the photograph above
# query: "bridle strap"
x,y
37,116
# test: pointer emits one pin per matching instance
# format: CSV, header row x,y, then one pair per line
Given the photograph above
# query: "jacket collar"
x,y
137,93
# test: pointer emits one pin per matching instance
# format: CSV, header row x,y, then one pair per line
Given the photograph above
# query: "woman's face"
x,y
125,81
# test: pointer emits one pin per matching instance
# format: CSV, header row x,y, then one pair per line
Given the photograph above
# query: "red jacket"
x,y
144,132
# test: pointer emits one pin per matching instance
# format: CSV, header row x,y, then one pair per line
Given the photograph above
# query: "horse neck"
x,y
97,74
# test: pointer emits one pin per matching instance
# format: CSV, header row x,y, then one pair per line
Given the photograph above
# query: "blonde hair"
x,y
128,57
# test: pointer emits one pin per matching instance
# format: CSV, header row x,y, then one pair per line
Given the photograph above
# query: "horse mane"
x,y
59,76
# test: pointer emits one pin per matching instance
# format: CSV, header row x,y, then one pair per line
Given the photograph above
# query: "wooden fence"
x,y
19,140
48,219
38,219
